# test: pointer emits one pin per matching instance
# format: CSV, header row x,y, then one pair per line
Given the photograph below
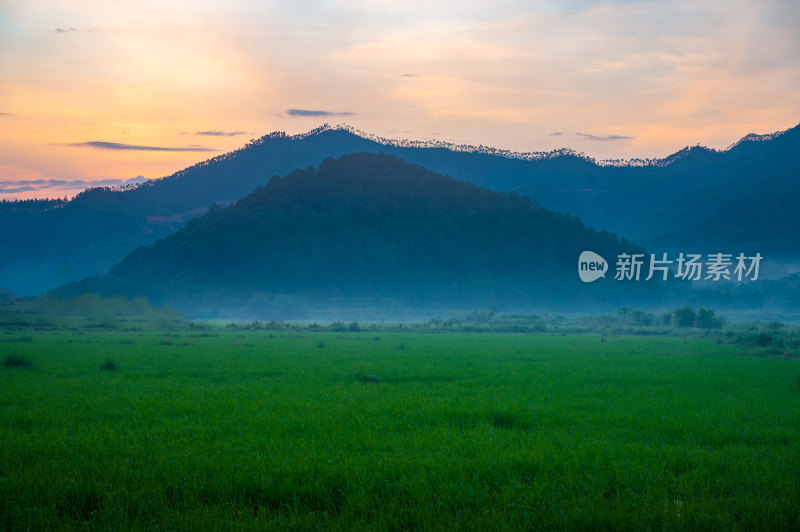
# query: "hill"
x,y
368,230
46,244
655,202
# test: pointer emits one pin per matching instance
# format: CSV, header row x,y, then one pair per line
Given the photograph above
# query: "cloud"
x,y
603,137
102,145
221,133
22,185
556,134
66,30
6,114
307,112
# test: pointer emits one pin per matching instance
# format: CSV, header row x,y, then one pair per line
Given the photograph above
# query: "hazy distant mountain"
x,y
766,222
47,244
670,196
367,230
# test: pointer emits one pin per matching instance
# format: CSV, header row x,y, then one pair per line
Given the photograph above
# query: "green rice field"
x,y
213,428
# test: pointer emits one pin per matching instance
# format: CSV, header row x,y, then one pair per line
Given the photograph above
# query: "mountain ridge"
x,y
55,243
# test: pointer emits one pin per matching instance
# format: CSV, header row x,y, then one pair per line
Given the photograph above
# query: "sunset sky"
x,y
104,91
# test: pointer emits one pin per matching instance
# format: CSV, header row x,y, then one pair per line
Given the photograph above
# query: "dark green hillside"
x,y
370,226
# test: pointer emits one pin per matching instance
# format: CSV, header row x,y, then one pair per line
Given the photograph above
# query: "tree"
x,y
707,320
641,317
685,317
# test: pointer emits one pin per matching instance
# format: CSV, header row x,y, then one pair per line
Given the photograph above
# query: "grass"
x,y
14,361
244,429
362,377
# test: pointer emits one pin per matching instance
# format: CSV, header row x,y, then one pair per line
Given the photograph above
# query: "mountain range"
x,y
737,200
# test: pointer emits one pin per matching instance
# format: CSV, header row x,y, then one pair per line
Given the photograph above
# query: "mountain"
x,y
368,230
46,244
767,222
669,196
653,202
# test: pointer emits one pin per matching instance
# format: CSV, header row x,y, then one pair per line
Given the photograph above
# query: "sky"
x,y
113,92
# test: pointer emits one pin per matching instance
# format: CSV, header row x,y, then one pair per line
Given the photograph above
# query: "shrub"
x,y
764,339
108,365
